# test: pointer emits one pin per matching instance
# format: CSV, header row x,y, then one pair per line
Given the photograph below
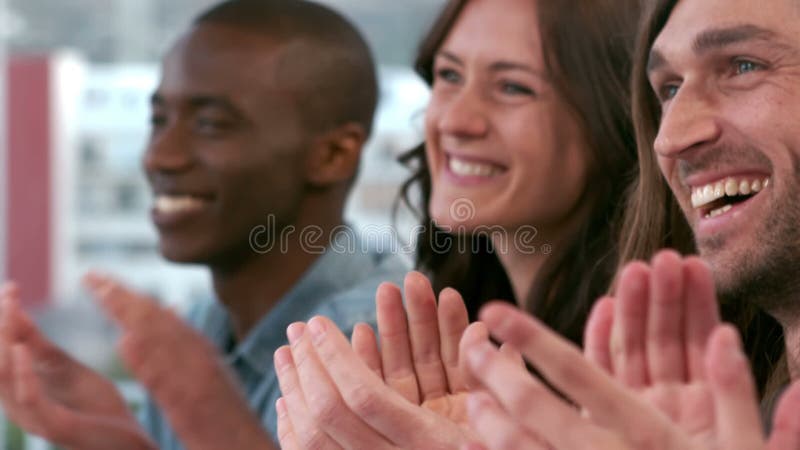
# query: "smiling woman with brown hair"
x,y
528,126
529,122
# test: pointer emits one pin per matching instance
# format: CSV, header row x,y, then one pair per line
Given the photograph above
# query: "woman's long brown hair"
x,y
653,219
588,47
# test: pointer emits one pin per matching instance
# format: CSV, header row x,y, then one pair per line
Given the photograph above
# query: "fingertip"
x,y
452,306
363,328
416,276
601,316
493,309
697,262
726,336
8,303
507,322
666,256
450,295
597,333
295,331
635,277
280,407
388,288
282,357
725,360
98,283
787,412
700,278
90,279
317,326
418,288
475,332
388,296
9,288
603,307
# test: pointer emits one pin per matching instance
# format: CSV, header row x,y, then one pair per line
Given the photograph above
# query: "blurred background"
x,y
74,113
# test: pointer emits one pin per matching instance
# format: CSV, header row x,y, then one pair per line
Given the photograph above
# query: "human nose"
x,y
465,116
168,149
691,119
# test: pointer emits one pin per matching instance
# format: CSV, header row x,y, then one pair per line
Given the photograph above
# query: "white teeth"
x,y
708,191
471,169
172,204
718,211
730,187
719,189
744,187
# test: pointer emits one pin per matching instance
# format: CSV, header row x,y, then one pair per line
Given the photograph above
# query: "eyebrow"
x,y
200,102
716,39
499,66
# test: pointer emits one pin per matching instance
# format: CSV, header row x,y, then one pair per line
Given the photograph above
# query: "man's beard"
x,y
767,275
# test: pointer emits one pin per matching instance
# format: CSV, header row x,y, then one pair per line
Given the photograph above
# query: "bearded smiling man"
x,y
717,113
728,142
717,100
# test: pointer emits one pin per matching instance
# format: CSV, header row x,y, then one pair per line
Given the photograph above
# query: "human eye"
x,y
157,120
743,66
516,89
665,88
668,91
212,124
448,75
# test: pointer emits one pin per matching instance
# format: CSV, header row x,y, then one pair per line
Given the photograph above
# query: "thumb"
x,y
475,332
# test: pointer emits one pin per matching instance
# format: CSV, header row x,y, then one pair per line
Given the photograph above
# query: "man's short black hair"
x,y
336,64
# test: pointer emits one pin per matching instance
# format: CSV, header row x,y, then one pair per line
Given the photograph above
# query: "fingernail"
x,y
280,407
295,332
283,357
317,328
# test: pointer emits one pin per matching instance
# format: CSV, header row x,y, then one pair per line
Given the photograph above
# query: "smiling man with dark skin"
x,y
257,129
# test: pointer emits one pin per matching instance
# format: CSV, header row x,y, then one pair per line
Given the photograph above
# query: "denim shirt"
x,y
339,285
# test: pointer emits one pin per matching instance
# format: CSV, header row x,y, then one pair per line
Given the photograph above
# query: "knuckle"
x,y
326,409
315,440
363,401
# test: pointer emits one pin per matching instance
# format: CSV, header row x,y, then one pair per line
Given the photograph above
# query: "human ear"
x,y
335,155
